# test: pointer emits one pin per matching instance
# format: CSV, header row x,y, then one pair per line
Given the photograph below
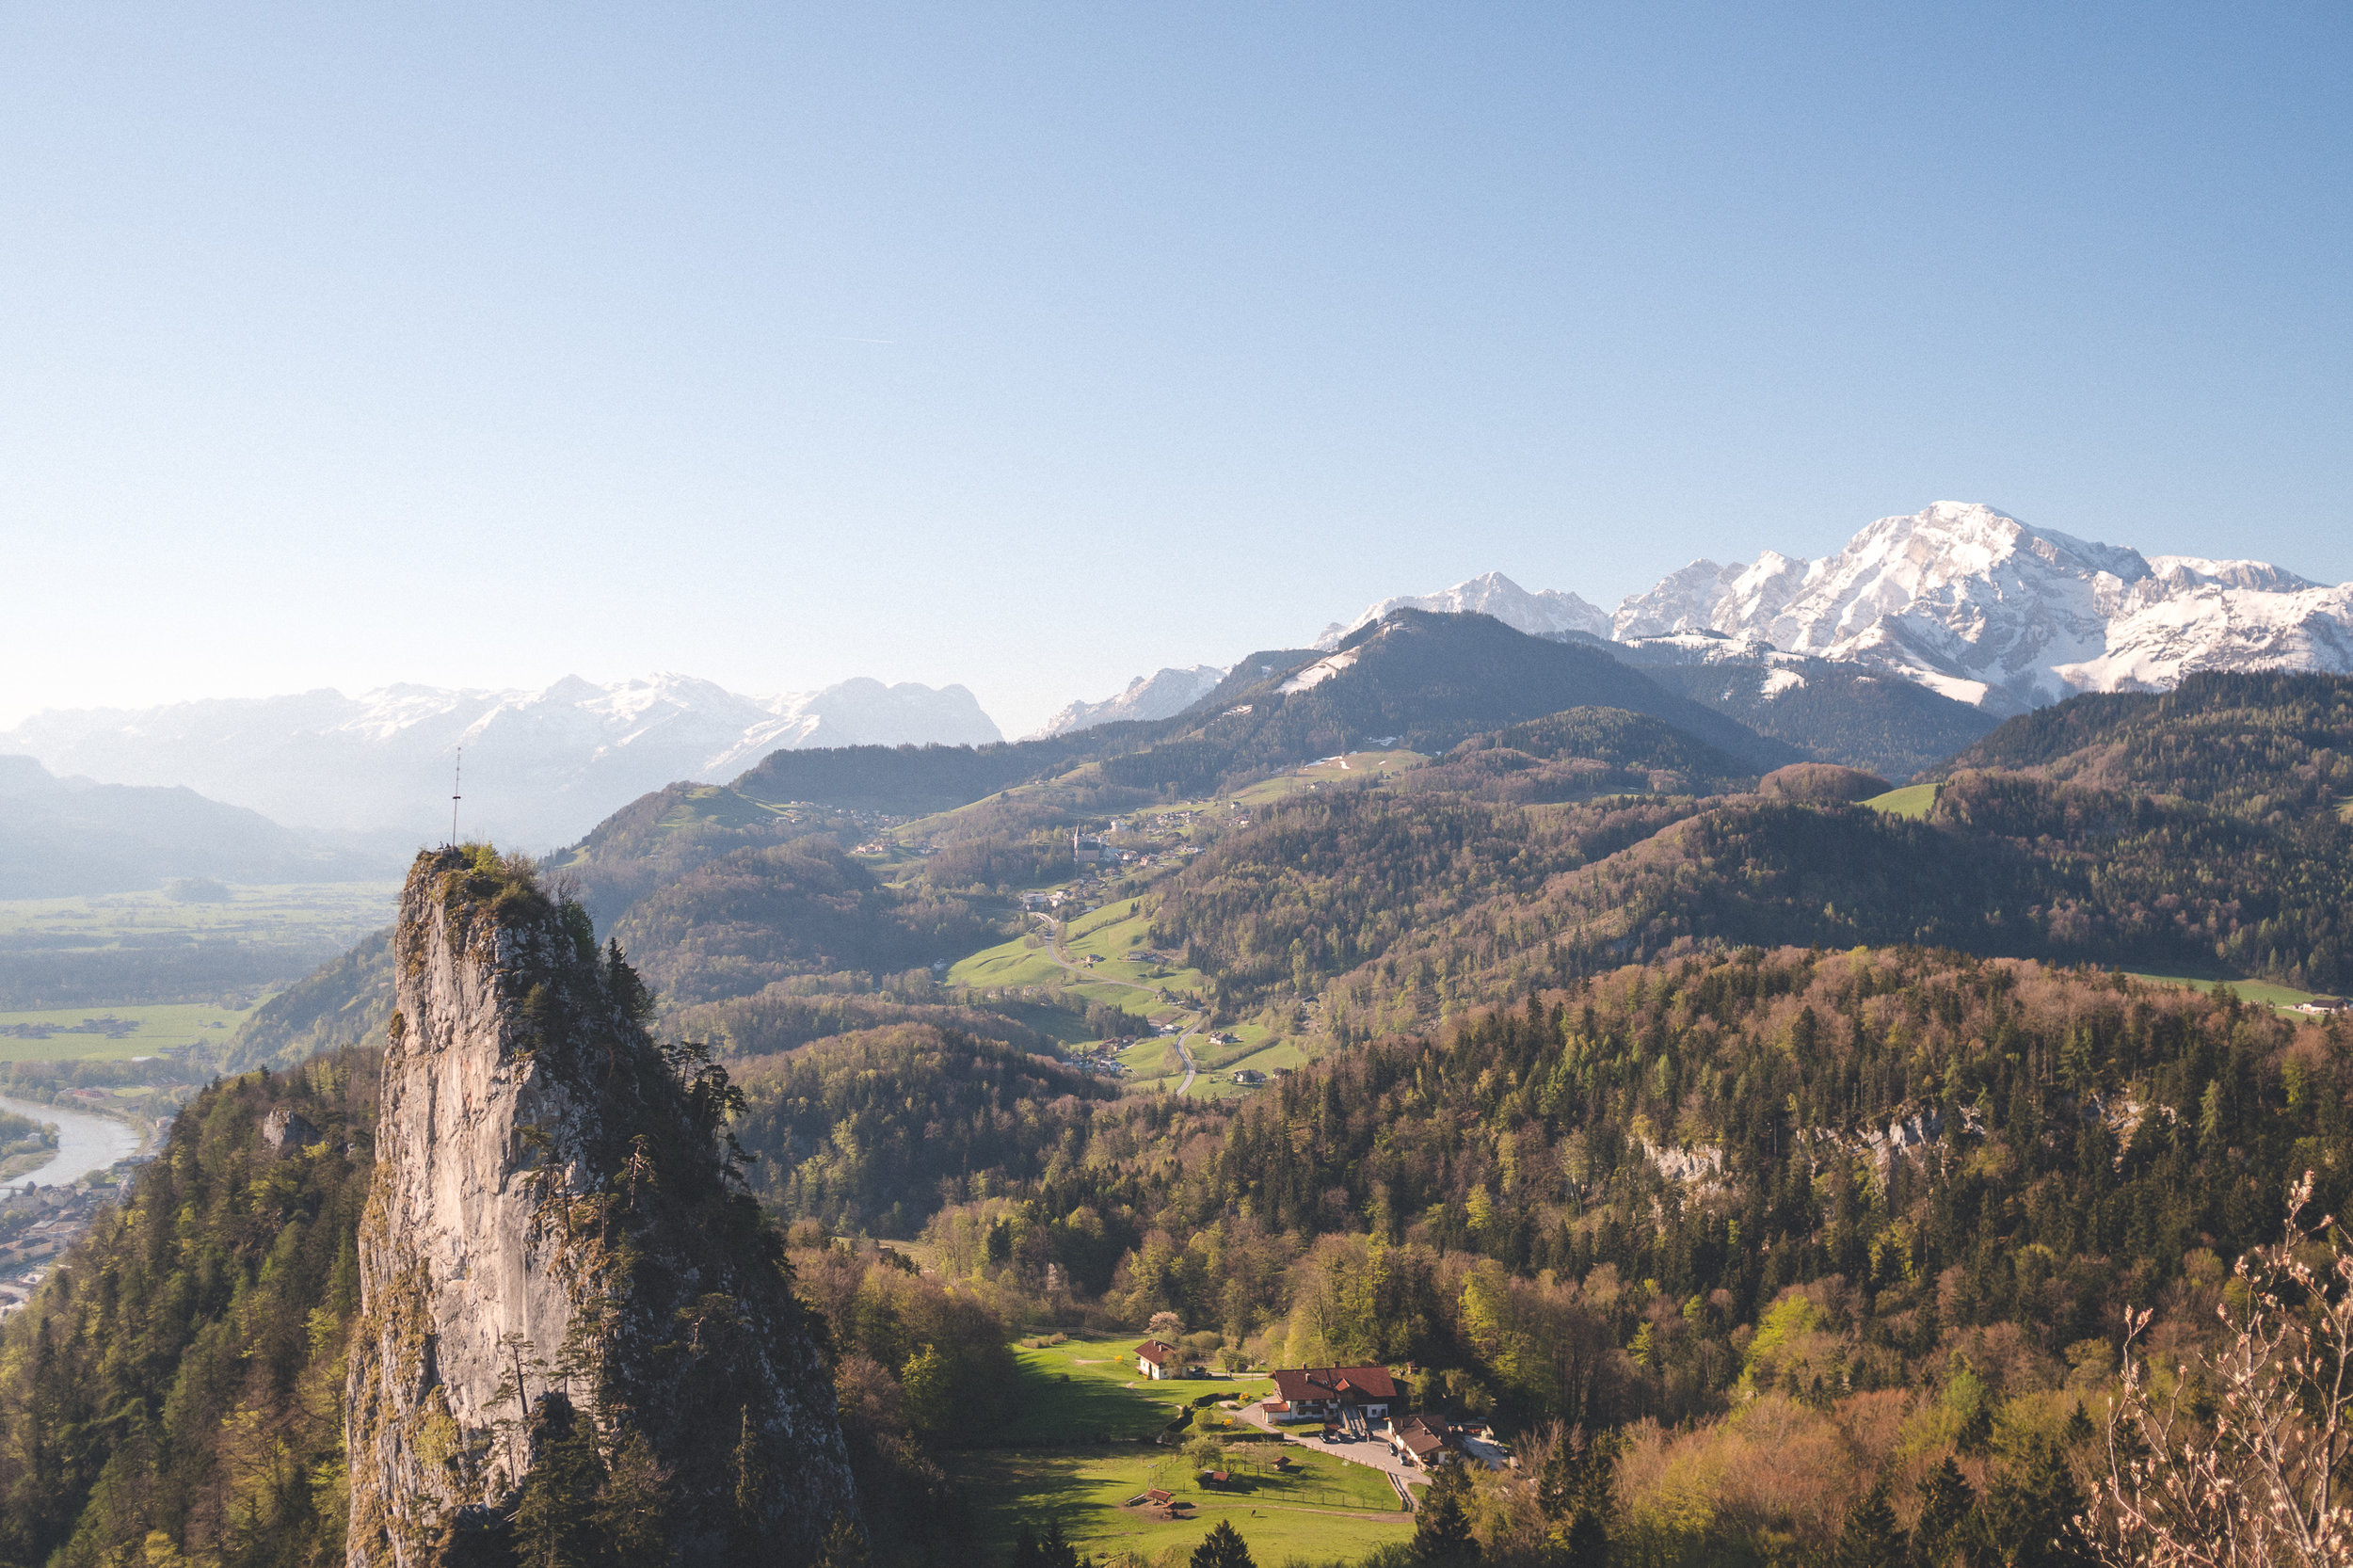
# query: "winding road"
x,y
1192,1021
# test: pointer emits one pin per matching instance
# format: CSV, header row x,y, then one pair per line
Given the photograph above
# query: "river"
x,y
84,1143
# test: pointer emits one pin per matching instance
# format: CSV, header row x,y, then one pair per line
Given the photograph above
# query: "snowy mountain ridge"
x,y
1159,695
541,767
1975,604
1540,614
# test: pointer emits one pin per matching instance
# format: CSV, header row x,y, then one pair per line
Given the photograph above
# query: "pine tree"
x,y
1055,1552
1442,1531
1573,1494
845,1546
1223,1547
556,1516
2031,1511
751,1486
1870,1537
633,1511
1946,1502
1025,1552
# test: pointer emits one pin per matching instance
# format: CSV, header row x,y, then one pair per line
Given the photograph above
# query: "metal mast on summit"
x,y
456,774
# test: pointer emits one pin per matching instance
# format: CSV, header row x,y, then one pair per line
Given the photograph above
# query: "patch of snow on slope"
x,y
1320,671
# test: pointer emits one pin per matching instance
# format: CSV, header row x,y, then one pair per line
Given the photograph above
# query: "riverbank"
x,y
86,1141
48,1208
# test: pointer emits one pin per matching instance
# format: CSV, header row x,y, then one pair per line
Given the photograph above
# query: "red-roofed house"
x,y
1155,1359
1326,1391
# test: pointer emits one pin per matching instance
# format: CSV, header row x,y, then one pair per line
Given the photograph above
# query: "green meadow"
x,y
1080,1449
1354,768
2262,992
1912,800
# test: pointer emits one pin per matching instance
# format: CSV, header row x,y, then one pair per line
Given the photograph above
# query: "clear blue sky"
x,y
1033,347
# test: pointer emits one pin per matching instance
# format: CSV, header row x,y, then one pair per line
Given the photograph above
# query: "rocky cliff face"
x,y
573,1318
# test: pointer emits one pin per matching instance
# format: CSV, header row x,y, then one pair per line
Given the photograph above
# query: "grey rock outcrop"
x,y
283,1127
555,1243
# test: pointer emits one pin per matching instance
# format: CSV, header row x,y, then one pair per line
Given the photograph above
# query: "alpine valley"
x,y
1810,1066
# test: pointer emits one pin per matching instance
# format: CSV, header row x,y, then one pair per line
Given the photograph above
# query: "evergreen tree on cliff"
x,y
565,1288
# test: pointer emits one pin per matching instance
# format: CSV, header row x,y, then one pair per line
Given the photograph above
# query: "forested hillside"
x,y
1337,880
175,1394
1829,1220
754,916
859,1132
342,1006
2087,857
1580,753
2285,741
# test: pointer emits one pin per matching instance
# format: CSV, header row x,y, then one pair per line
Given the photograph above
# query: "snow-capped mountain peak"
x,y
1970,601
1684,600
1158,696
1539,614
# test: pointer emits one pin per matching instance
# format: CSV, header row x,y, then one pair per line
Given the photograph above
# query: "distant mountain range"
x,y
540,767
63,838
1966,601
1890,654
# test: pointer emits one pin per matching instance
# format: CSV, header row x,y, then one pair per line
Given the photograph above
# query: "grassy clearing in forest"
x,y
1088,1391
1353,768
1053,1465
2262,992
1085,1488
1153,1058
1912,800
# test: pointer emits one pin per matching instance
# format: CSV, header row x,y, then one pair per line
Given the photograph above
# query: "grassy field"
x,y
1087,1390
1111,936
1217,1084
1912,800
1050,1463
157,1031
1355,767
1021,961
1083,1489
2259,991
719,804
1150,1059
1258,1047
1107,936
